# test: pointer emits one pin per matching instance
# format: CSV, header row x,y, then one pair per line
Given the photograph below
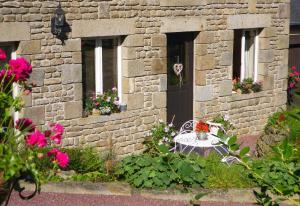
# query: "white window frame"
x,y
99,66
256,50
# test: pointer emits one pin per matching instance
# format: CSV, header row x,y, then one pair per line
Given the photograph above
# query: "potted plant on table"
x,y
201,130
21,142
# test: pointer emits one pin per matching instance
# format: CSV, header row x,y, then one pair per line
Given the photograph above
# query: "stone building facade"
x,y
143,27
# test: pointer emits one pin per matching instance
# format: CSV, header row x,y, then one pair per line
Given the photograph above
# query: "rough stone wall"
x,y
57,70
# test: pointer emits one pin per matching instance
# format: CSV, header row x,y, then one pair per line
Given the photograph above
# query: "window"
x,y
245,54
101,66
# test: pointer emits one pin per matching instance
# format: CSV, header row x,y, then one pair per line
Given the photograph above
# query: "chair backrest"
x,y
188,126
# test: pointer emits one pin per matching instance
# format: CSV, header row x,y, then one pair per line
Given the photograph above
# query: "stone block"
x,y
182,3
225,88
262,69
252,6
73,109
159,66
283,72
266,56
78,91
134,101
158,40
280,99
29,47
283,42
37,77
71,73
103,11
199,109
248,21
103,27
14,31
284,11
264,43
163,83
205,62
226,35
136,40
36,113
200,49
203,93
133,68
76,57
72,45
128,52
182,24
226,59
268,82
27,99
268,32
200,78
159,99
205,37
128,85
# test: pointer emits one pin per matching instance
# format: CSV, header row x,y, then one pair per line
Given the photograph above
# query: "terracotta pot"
x,y
4,189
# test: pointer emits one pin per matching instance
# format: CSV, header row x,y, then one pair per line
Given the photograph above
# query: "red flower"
x,y
291,75
25,124
292,85
281,117
36,138
61,158
293,68
2,55
202,127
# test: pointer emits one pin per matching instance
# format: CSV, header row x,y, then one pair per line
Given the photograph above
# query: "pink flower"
x,y
291,75
25,124
57,128
2,55
116,102
21,68
292,85
61,158
56,138
114,89
293,68
36,138
296,73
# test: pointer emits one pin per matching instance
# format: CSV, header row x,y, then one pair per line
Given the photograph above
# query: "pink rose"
x,y
293,68
2,55
57,128
61,158
36,138
296,73
56,138
21,68
291,75
292,85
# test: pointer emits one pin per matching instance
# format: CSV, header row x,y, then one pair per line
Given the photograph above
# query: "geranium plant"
x,y
106,103
246,86
21,142
201,126
293,79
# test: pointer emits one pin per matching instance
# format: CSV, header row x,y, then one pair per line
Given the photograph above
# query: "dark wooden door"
x,y
180,52
294,54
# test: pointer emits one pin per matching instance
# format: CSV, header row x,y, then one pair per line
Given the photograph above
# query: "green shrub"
x,y
92,176
162,171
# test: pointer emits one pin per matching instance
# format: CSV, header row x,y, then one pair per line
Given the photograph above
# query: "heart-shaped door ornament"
x,y
178,69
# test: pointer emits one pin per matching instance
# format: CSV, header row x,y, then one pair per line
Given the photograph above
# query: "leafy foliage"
x,y
163,171
161,134
246,86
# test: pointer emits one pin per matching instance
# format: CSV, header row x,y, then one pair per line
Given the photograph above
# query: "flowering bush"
x,y
202,127
293,79
21,142
106,103
246,86
161,134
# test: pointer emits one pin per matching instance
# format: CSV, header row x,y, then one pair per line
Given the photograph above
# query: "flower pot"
x,y
4,189
201,136
96,112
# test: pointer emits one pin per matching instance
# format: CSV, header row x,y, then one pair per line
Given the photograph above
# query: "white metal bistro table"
x,y
188,142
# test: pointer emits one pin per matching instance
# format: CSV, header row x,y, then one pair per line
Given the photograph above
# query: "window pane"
x,y
88,68
8,50
109,64
237,47
249,54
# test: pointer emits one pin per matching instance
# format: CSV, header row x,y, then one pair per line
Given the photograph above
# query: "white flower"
x,y
108,99
173,134
114,89
149,133
171,125
160,142
116,102
167,129
226,117
164,139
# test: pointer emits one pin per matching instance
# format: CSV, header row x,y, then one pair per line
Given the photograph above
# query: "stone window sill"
x,y
93,119
236,96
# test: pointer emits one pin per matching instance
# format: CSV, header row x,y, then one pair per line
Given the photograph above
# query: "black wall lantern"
x,y
58,22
